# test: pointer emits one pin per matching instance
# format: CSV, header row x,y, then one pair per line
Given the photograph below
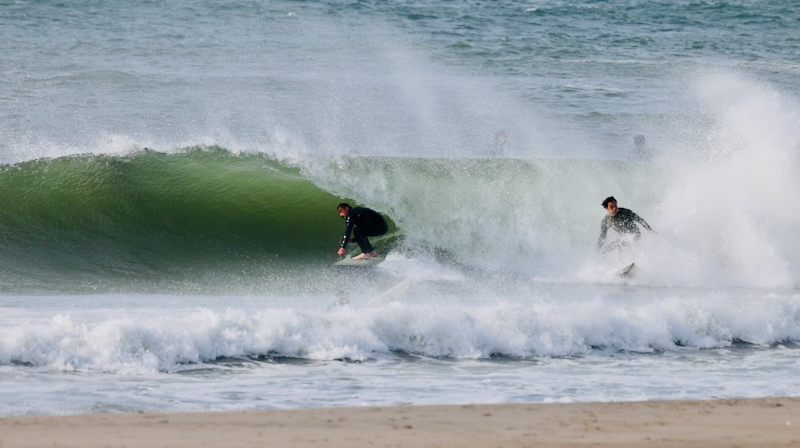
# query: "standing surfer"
x,y
623,221
367,222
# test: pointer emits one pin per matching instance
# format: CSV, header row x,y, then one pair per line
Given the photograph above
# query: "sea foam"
x,y
139,342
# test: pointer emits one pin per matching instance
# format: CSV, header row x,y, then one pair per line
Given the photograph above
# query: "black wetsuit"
x,y
367,223
623,222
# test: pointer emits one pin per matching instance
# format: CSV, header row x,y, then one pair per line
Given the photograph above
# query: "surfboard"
x,y
627,271
395,294
359,262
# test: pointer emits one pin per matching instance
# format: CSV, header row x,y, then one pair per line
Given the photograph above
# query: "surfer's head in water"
x,y
610,204
343,209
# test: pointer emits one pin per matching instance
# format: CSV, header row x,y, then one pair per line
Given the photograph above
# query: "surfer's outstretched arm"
x,y
644,223
603,233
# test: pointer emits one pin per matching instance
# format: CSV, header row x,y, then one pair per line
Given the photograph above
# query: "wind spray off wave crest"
x,y
724,203
732,215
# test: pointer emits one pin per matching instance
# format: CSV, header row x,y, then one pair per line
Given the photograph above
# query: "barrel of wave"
x,y
157,208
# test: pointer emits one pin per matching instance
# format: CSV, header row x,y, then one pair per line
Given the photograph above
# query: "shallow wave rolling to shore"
x,y
145,342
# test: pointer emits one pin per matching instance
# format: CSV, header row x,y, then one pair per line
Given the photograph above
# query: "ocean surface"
x,y
169,175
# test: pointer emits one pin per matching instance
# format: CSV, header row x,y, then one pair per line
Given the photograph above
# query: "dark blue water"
x,y
380,78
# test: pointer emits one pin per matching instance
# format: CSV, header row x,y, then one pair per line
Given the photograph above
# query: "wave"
x,y
149,215
168,340
96,221
208,216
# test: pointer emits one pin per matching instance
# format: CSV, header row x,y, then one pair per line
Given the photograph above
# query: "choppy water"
x,y
170,172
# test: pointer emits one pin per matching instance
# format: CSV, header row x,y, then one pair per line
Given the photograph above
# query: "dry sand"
x,y
768,422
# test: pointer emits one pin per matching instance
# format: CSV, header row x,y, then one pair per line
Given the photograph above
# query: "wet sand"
x,y
763,422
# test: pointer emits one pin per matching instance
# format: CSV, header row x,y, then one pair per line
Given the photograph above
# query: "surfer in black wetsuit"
x,y
623,221
367,222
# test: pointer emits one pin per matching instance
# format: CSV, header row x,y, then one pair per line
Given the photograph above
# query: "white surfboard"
x,y
395,294
627,271
359,262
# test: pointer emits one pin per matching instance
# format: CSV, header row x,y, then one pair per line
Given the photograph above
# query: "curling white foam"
x,y
731,216
148,342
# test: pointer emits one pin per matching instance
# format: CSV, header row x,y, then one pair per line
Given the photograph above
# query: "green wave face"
x,y
89,221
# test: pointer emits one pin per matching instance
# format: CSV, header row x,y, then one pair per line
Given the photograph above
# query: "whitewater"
x,y
170,176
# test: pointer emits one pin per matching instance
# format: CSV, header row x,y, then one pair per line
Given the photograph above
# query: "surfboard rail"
x,y
359,262
627,271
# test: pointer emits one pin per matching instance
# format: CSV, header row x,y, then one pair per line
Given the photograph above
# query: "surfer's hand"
x,y
653,232
341,252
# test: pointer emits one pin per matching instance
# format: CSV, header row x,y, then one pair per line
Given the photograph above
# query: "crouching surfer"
x,y
363,222
623,221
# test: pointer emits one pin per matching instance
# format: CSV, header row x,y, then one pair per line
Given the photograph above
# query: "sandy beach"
x,y
767,422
